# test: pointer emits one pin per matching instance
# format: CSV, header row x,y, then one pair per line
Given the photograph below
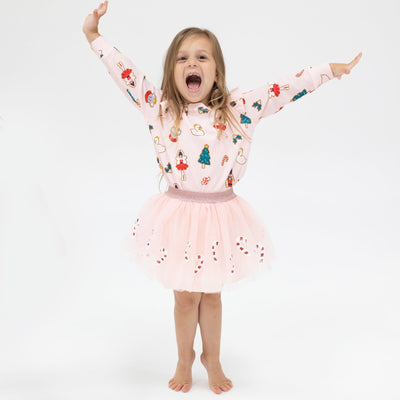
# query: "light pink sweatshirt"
x,y
194,158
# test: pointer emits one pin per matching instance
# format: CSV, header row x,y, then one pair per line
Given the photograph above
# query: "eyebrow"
x,y
198,51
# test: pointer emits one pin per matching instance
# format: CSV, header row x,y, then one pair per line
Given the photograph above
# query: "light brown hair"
x,y
219,92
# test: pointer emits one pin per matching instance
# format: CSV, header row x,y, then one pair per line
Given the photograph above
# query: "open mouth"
x,y
193,82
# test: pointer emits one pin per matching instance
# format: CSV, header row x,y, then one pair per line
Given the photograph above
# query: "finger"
x,y
103,8
355,61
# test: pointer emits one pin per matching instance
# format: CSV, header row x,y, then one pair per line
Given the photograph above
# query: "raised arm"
x,y
130,80
273,96
339,69
91,24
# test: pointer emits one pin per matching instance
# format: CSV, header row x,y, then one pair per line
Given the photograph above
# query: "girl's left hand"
x,y
339,69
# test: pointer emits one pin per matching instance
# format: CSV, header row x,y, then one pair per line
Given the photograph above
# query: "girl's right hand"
x,y
90,26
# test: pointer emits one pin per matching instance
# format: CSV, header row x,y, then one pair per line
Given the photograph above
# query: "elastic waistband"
x,y
201,197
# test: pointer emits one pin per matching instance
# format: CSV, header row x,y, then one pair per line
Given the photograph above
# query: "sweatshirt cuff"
x,y
321,73
101,46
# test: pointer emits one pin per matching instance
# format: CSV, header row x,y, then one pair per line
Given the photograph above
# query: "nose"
x,y
192,61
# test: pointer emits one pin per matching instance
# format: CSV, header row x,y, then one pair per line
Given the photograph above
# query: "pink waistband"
x,y
201,197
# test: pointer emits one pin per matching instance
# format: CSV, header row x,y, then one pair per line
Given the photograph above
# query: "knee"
x,y
213,299
187,301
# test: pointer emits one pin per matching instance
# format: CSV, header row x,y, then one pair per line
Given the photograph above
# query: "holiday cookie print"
x,y
245,120
150,98
127,75
181,163
274,90
173,134
137,102
229,180
202,110
235,138
205,180
204,156
257,104
197,130
240,158
159,147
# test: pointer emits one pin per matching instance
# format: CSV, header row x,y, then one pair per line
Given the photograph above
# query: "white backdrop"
x,y
79,321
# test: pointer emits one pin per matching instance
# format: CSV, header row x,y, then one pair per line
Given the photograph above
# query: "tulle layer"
x,y
199,246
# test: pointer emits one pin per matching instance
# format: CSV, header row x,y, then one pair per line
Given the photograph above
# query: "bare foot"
x,y
182,379
216,378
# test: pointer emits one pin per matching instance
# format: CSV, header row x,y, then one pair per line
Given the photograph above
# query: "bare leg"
x,y
210,319
186,314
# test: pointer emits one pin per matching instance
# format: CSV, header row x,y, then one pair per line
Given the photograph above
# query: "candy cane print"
x,y
188,245
199,263
241,242
147,248
164,255
259,250
149,243
135,226
232,264
214,245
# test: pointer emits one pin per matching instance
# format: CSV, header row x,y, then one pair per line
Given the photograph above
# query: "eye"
x,y
181,58
202,58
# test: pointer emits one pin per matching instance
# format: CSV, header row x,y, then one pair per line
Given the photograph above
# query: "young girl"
x,y
199,235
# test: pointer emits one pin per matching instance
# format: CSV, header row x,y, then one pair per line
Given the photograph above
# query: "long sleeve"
x,y
131,81
274,95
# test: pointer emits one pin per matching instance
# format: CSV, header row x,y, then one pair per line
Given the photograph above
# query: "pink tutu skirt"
x,y
199,241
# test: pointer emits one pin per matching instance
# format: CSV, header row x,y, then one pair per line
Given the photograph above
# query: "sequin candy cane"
x,y
188,245
149,243
200,262
259,250
241,242
147,248
232,264
135,226
163,257
214,246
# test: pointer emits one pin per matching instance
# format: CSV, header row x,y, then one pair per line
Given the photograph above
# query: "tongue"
x,y
193,86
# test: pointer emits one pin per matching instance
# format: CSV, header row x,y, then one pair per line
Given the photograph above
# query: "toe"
x,y
186,387
225,387
216,389
178,387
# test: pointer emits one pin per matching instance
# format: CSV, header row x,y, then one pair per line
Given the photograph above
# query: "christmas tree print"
x,y
204,156
244,119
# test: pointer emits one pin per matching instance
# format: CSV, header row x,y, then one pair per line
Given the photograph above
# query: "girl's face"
x,y
195,69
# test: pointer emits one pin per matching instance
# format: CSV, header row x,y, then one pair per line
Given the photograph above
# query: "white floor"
x,y
285,336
